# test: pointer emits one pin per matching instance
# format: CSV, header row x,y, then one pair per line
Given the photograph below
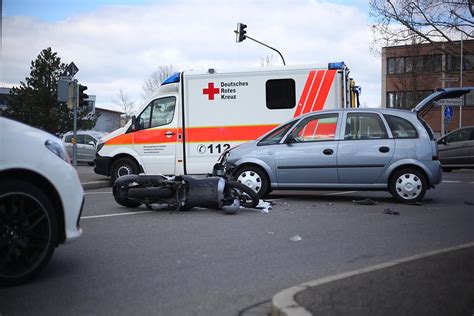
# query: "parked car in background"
x,y
456,149
86,144
41,200
363,149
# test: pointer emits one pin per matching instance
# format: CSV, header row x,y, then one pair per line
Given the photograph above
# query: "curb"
x,y
284,304
96,185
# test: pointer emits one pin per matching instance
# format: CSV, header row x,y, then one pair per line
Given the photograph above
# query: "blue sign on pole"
x,y
448,112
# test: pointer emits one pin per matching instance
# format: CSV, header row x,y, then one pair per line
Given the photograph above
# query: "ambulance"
x,y
194,116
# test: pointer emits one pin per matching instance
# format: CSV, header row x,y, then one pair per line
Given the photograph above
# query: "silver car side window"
x,y
316,128
364,126
400,127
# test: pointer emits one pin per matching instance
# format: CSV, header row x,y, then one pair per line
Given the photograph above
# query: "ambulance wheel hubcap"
x,y
250,179
124,170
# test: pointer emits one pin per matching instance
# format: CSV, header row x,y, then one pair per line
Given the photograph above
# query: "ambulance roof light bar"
x,y
174,78
337,65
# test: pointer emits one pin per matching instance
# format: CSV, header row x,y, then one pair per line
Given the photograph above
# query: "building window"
x,y
280,94
396,65
454,62
432,63
406,99
420,64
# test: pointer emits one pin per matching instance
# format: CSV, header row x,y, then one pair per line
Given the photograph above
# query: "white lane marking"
x,y
451,181
116,214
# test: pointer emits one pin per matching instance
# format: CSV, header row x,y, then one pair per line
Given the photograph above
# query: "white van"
x,y
194,116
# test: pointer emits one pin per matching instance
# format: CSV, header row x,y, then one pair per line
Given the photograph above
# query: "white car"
x,y
41,200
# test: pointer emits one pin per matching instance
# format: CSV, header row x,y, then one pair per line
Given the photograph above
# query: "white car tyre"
x,y
28,231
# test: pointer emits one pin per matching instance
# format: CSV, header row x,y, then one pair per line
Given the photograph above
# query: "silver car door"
x,y
365,151
308,157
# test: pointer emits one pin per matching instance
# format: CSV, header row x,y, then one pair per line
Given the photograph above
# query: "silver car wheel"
x,y
251,179
408,186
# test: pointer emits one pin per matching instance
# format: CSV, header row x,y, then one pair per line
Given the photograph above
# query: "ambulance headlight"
x,y
100,144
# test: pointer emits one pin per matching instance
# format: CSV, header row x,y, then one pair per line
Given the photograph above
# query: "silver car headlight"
x,y
57,149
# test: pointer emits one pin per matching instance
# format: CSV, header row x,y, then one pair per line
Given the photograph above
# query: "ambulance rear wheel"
x,y
253,177
123,167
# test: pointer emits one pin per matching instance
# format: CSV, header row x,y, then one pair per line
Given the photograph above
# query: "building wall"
x,y
108,121
411,72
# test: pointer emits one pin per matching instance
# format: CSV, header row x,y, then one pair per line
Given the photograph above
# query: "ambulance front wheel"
x,y
123,167
253,177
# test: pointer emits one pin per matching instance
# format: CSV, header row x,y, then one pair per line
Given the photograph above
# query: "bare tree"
x,y
400,22
127,106
267,61
156,78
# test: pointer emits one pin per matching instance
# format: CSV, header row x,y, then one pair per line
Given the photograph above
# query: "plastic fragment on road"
x,y
296,238
264,206
364,202
389,211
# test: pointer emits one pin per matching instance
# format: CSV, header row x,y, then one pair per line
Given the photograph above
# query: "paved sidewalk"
x,y
437,283
90,180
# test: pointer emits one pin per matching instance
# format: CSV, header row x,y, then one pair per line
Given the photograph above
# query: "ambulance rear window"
x,y
280,94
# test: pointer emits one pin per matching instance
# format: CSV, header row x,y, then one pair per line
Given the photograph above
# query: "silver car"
x,y
363,149
456,149
86,145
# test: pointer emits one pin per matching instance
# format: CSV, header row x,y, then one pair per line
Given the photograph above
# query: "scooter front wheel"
x,y
247,196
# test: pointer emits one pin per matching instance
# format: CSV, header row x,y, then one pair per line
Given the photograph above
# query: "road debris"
x,y
264,207
364,202
470,202
389,211
296,238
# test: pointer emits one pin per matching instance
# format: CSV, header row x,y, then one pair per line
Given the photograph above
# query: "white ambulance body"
x,y
194,116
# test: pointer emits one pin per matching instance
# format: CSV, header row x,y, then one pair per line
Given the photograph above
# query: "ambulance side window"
x,y
163,111
143,120
159,112
280,94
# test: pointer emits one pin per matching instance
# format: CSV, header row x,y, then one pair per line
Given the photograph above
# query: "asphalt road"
x,y
202,262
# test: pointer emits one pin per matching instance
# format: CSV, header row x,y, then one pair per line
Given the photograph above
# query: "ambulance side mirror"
x,y
134,126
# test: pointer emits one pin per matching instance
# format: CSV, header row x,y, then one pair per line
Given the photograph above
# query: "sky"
x,y
117,44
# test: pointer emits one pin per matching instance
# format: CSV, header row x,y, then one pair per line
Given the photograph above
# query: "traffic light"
x,y
82,96
241,32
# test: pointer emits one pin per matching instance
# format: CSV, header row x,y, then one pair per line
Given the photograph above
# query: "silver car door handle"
x,y
328,152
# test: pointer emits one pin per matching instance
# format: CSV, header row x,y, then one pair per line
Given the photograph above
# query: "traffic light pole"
x,y
276,50
75,101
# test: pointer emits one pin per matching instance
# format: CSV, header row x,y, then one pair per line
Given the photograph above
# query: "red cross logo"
x,y
210,91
